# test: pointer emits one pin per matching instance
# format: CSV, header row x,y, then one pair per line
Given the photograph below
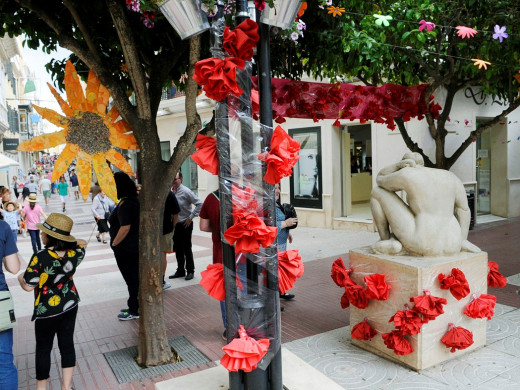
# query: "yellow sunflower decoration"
x,y
89,132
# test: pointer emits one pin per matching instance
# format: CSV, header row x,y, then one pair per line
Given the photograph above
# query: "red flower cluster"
x,y
206,155
495,278
281,158
249,233
457,337
481,307
377,288
407,321
363,331
290,268
395,340
456,283
428,306
241,41
339,274
244,353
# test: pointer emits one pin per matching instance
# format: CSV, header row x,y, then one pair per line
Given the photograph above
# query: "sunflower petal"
x,y
67,110
64,161
84,172
91,92
120,127
52,116
112,114
119,161
104,176
124,141
102,100
43,141
73,88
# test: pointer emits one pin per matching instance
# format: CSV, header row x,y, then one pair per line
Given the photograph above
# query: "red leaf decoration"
x,y
357,296
457,337
363,331
395,340
206,155
428,305
407,321
244,353
481,307
377,288
456,283
495,278
213,281
339,274
281,158
290,267
241,41
249,232
218,77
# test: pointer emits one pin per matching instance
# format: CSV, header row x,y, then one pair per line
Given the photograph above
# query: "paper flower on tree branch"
x,y
480,63
500,33
429,26
89,132
465,32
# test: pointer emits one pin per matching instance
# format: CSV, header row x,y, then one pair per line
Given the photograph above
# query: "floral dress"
x,y
52,279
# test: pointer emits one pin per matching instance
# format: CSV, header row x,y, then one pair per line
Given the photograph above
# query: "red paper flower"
x,y
363,331
206,155
244,353
357,296
281,158
344,300
241,41
495,278
377,288
457,338
218,77
407,321
481,307
249,232
243,199
213,281
290,267
456,283
395,340
428,305
340,275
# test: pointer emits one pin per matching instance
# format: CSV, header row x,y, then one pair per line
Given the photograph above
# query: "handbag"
x,y
7,317
289,212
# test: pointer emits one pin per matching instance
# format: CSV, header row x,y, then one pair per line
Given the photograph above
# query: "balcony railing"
x,y
171,93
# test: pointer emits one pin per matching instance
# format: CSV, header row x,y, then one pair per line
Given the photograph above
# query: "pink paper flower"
x,y
465,32
423,24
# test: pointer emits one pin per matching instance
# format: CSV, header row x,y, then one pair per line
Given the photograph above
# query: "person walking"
x,y
12,217
124,241
50,273
74,184
100,210
14,184
11,263
45,188
63,191
184,228
32,186
31,213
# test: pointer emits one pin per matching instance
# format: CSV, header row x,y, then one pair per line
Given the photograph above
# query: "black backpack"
x,y
289,212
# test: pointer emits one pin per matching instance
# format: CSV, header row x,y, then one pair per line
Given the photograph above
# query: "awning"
x,y
6,162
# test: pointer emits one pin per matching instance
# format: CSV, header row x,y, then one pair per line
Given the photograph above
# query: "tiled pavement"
x,y
313,325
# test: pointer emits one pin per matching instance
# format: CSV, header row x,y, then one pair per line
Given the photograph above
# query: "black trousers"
x,y
182,247
45,329
128,264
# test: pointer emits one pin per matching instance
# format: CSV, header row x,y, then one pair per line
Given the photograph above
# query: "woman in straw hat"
x,y
50,273
31,213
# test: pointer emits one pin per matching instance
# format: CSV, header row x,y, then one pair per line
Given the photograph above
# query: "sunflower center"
x,y
90,133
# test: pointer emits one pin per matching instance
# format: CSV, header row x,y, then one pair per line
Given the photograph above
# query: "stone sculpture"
x,y
433,221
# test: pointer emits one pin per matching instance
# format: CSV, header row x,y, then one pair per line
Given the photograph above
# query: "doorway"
x,y
483,168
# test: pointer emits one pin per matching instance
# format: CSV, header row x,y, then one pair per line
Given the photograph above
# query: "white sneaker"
x,y
24,234
166,286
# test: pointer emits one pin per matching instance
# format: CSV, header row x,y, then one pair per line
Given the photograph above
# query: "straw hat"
x,y
33,198
8,203
58,226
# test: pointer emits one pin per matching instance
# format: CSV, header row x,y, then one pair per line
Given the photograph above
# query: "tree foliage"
x,y
352,46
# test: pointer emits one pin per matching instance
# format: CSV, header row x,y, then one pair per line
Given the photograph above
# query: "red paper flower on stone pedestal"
x,y
244,353
457,337
363,331
377,288
341,275
357,296
290,267
344,300
408,321
282,156
395,340
456,283
481,307
495,278
249,233
206,155
429,306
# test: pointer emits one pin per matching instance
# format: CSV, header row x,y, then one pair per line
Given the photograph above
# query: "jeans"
x,y
8,372
182,247
15,235
223,311
35,240
45,329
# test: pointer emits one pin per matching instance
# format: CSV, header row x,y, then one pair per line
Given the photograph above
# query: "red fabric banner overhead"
x,y
308,100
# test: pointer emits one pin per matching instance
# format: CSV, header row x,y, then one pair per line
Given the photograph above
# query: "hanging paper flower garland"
x,y
455,282
480,63
429,26
465,32
457,337
89,132
206,155
363,331
495,278
383,20
481,307
500,33
244,353
336,11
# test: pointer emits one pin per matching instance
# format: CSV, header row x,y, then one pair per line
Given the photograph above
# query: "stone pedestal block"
x,y
409,276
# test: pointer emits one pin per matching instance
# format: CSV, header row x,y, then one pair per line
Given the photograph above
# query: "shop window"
x,y
306,181
189,175
165,150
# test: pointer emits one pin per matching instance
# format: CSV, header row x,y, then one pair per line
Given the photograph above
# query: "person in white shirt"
x,y
45,189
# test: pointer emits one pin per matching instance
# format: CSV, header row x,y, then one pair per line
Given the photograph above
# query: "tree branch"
x,y
419,61
410,144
